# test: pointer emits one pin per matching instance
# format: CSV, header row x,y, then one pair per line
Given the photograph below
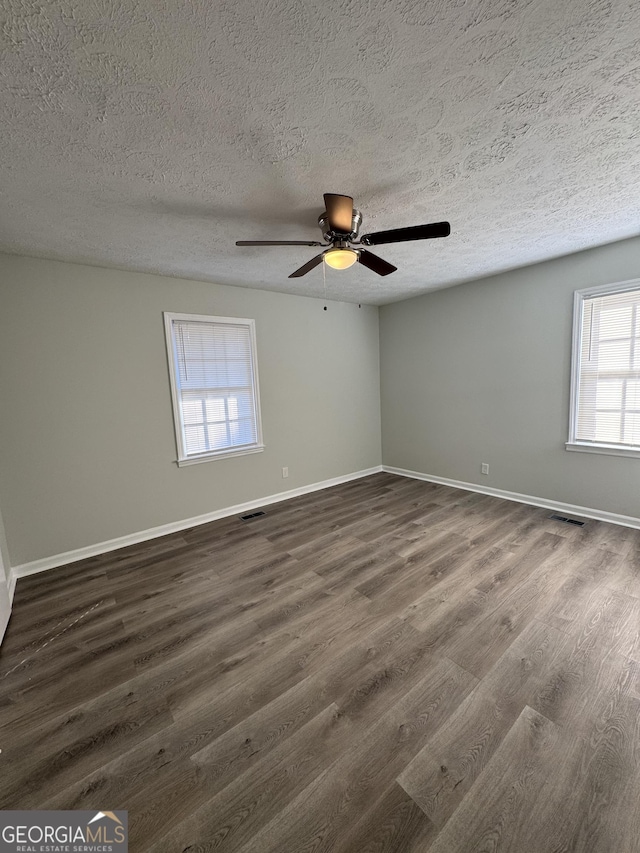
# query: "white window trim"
x,y
579,297
210,456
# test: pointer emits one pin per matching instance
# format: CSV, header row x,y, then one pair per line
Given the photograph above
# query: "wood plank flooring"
x,y
387,666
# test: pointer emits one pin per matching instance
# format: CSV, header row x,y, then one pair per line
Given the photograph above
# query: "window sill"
x,y
606,449
225,454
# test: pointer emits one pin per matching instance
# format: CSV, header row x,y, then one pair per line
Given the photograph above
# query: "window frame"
x,y
579,297
178,422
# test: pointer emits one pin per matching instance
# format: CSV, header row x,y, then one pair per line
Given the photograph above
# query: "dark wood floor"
x,y
388,665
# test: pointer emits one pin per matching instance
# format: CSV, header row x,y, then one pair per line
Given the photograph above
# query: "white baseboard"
x,y
74,556
57,560
566,509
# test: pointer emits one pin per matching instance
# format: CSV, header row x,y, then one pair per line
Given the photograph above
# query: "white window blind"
x,y
606,393
214,385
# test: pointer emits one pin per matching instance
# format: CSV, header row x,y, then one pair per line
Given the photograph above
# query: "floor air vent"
x,y
251,515
567,520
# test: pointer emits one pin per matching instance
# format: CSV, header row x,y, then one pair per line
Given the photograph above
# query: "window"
x,y
605,385
214,386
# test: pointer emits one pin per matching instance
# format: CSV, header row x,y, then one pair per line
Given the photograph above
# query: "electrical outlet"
x,y
484,468
285,473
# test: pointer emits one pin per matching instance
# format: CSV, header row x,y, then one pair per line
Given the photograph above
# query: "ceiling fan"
x,y
340,224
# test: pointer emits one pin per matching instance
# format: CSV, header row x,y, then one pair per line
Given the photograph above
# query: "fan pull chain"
x,y
324,281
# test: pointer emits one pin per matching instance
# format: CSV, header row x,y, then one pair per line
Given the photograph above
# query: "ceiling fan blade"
x,y
373,262
279,243
339,212
308,266
403,235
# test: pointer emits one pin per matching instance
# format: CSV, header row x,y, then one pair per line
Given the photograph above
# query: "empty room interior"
x,y
320,424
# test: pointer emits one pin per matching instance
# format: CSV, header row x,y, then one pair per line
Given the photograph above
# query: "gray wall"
x,y
471,374
87,447
480,373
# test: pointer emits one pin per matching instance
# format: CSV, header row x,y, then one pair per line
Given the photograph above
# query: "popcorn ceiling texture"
x,y
150,134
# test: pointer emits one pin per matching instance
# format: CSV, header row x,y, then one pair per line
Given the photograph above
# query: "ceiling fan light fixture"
x,y
340,226
340,259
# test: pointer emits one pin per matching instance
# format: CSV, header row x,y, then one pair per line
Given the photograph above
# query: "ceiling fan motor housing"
x,y
333,236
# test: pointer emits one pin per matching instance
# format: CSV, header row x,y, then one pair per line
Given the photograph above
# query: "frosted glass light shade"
x,y
341,259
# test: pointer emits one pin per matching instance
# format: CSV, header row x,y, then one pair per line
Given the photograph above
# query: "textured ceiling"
x,y
151,135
